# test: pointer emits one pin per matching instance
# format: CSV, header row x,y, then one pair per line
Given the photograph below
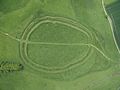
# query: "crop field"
x,y
59,45
114,13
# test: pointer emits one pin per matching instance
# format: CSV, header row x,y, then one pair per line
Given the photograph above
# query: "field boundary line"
x,y
111,25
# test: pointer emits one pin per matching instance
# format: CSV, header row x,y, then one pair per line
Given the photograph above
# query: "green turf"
x,y
63,45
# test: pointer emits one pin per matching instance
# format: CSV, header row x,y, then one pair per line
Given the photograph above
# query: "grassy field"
x,y
62,44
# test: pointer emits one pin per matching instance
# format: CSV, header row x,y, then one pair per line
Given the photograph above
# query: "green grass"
x,y
63,45
8,6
